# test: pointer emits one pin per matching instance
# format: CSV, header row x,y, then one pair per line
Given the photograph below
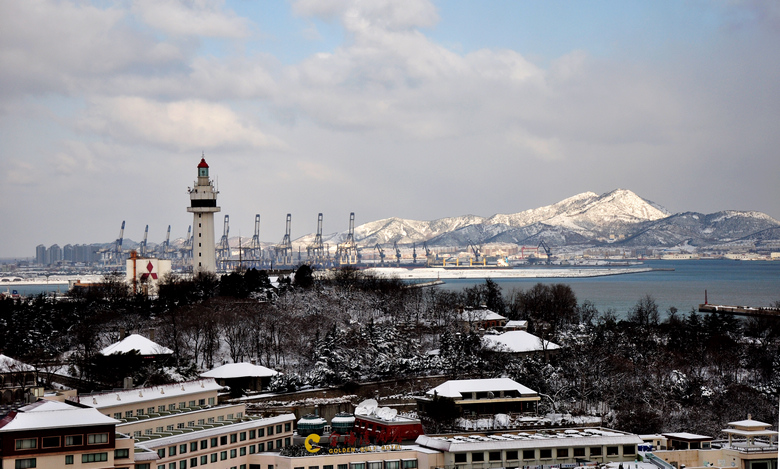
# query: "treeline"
x,y
686,372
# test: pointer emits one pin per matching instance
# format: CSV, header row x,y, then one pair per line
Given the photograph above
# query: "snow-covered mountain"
x,y
618,217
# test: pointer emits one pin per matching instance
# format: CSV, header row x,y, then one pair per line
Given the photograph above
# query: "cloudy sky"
x,y
406,108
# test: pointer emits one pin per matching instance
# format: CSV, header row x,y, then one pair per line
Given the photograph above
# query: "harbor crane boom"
x,y
143,243
255,250
284,250
547,251
381,253
223,251
397,252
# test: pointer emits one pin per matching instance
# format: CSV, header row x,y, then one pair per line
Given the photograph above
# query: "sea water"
x,y
727,282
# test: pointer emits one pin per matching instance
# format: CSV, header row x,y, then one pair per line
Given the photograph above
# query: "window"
x,y
191,404
26,443
94,457
392,464
191,423
461,458
142,466
233,453
612,450
121,453
171,465
137,434
343,466
327,466
494,456
158,430
287,427
183,464
278,444
171,451
356,465
529,454
148,431
180,425
69,459
171,406
223,440
595,451
579,452
117,415
233,437
97,438
260,447
211,401
287,441
150,410
242,451
629,449
251,449
511,455
204,460
214,442
229,416
161,453
169,427
193,462
74,440
211,419
242,436
128,413
160,408
201,421
260,432
182,405
477,457
562,453
183,448
220,418
545,454
25,463
252,434
279,428
139,412
204,444
270,431
193,446
222,455
201,401
213,457
50,442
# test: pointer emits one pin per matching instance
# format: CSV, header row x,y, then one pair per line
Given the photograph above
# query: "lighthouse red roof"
x,y
203,163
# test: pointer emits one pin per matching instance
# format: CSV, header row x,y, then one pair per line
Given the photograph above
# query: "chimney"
x,y
122,333
128,383
151,335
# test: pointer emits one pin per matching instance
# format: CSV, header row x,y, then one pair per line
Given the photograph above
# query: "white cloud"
x,y
201,18
360,15
182,125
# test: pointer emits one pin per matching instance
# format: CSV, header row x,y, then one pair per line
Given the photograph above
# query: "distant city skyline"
x,y
412,109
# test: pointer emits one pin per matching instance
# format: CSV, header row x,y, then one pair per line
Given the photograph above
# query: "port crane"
x,y
316,250
547,251
255,250
186,249
414,253
284,250
381,253
142,247
347,252
476,250
165,248
223,249
397,253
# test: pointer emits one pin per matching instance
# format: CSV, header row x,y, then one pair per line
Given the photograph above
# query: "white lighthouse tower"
x,y
203,205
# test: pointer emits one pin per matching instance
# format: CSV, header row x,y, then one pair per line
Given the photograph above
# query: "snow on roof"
x,y
52,414
457,387
481,315
10,365
477,442
239,370
136,342
516,323
519,342
153,393
750,423
686,436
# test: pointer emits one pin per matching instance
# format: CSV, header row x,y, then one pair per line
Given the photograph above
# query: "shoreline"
x,y
438,273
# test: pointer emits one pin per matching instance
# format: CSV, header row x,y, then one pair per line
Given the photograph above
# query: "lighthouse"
x,y
203,205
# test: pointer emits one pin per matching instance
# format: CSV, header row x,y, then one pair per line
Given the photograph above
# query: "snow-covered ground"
x,y
427,273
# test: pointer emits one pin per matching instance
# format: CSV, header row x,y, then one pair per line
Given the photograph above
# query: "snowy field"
x,y
433,273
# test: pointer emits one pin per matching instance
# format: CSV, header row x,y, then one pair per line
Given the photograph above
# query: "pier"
x,y
740,310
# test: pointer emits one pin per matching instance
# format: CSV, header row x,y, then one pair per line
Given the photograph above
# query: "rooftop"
x,y
518,342
45,414
542,439
153,393
457,387
239,370
137,342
